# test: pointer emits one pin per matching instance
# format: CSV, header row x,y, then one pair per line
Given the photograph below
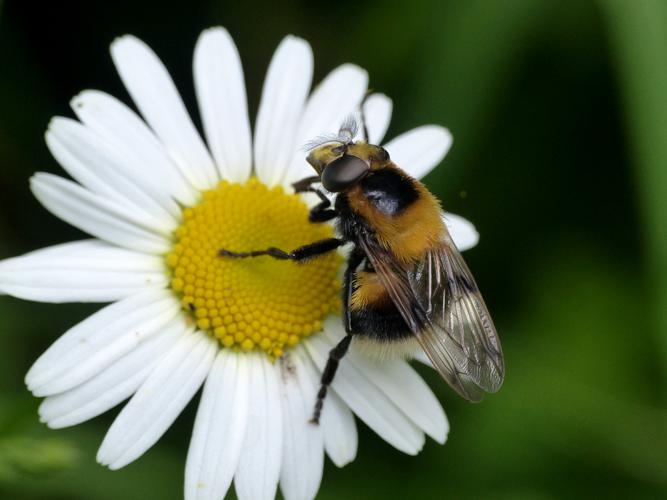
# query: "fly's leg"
x,y
337,353
322,212
305,184
300,254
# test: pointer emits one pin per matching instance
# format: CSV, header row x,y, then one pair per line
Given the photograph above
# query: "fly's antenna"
x,y
348,129
362,114
321,140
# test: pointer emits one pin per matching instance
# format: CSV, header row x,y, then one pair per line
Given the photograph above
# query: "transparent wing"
x,y
440,302
461,328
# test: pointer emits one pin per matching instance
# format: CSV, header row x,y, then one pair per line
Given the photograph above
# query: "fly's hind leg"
x,y
335,355
338,352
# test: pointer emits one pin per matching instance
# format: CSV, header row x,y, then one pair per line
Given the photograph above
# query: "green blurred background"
x,y
559,116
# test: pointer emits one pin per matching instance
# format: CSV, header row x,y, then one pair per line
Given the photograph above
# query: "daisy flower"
x,y
158,203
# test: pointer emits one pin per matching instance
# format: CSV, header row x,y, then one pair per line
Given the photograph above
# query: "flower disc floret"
x,y
252,303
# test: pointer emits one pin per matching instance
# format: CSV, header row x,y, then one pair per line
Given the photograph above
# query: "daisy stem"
x,y
638,38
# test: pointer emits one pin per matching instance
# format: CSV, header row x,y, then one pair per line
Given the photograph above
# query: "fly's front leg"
x,y
306,184
322,212
301,254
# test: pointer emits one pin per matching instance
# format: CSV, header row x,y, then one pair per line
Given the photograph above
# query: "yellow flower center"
x,y
259,302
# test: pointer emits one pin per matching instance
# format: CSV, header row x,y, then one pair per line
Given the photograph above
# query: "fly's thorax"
x,y
401,214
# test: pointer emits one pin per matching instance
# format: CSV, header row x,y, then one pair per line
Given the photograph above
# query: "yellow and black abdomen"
x,y
373,314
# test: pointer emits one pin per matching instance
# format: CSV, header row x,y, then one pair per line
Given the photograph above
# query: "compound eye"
x,y
383,155
343,173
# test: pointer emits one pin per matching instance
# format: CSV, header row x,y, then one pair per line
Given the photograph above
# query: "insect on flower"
x,y
159,201
406,284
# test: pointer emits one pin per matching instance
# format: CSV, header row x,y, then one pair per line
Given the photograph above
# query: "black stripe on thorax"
x,y
389,190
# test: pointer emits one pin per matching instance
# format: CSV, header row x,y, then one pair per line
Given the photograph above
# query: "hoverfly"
x,y
405,281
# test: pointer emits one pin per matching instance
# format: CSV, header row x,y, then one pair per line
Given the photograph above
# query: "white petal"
x,y
338,426
331,102
407,390
377,110
259,464
83,271
462,231
285,90
155,94
102,338
220,429
129,135
114,384
340,431
365,399
419,150
303,446
158,402
99,167
223,104
95,215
